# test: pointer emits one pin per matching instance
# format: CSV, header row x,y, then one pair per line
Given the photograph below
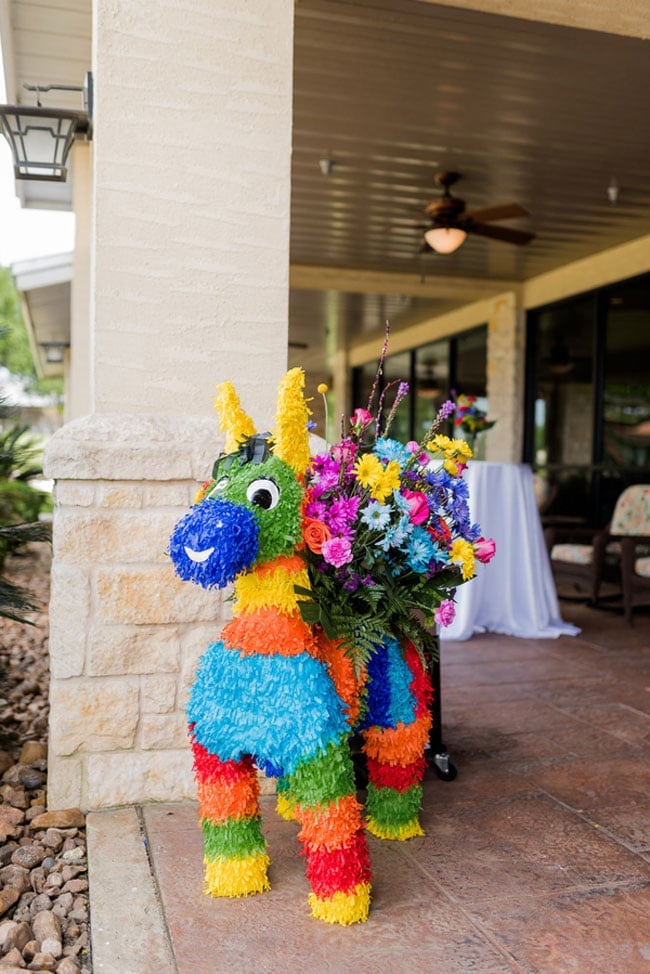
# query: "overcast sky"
x,y
27,233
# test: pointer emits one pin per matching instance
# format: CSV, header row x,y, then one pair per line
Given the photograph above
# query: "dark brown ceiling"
x,y
394,91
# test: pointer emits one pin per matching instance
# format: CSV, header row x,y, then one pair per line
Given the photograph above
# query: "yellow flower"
x,y
322,388
439,444
369,470
462,552
463,448
387,483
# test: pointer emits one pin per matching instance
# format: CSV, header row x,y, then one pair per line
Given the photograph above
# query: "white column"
x,y
189,254
192,191
79,398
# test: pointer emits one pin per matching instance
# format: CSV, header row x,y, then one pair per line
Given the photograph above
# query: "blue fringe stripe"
x,y
280,709
390,700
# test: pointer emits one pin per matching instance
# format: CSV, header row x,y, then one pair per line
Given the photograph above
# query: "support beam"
x,y
309,277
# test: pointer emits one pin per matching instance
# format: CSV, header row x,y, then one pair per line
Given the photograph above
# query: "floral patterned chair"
x,y
582,559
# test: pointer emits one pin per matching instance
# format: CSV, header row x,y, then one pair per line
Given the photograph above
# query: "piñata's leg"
x,y
285,804
234,848
396,763
332,834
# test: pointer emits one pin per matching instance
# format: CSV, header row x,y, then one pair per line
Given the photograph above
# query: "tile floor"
x,y
536,858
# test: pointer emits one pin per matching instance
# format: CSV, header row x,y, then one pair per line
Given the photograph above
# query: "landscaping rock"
x,y
44,907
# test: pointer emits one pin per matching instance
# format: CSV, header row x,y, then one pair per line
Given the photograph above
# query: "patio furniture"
x,y
584,558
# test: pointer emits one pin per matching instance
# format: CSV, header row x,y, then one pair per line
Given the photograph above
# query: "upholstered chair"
x,y
584,558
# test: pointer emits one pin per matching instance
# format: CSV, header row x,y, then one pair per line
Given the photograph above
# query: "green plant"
x,y
15,600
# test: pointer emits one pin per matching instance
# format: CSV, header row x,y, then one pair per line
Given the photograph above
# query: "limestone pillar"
x,y
505,378
189,253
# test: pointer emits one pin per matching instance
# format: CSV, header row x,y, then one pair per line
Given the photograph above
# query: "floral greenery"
x,y
388,534
469,418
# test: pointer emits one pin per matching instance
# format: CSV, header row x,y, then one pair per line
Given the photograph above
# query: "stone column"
x,y
505,378
189,286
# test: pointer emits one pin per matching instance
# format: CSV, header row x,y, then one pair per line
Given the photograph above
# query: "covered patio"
x,y
535,859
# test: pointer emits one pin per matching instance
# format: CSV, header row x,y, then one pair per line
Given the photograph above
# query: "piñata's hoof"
x,y
237,877
343,908
398,832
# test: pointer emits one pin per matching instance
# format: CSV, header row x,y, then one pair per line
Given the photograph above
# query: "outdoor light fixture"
x,y
54,351
41,138
445,240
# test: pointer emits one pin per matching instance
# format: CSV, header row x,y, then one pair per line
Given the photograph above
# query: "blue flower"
x,y
376,516
387,449
419,550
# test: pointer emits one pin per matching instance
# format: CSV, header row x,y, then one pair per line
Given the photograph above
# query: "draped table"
x,y
515,593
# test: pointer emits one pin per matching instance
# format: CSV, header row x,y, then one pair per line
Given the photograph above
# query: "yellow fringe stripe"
x,y
269,590
343,908
237,877
286,807
407,830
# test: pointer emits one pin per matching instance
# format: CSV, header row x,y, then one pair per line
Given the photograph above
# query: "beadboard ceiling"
x,y
392,92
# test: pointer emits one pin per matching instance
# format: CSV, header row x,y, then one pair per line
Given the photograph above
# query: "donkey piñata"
x,y
275,694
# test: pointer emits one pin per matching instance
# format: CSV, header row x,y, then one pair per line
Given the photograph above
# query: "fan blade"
x,y
507,234
506,211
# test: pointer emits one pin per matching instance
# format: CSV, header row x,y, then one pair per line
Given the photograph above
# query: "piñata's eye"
x,y
263,493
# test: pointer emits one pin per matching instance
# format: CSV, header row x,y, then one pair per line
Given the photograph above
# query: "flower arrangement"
x,y
388,534
470,419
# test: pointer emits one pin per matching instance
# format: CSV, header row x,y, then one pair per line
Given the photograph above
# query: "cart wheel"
x,y
443,766
449,774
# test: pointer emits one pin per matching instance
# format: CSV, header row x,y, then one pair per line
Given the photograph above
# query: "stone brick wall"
x,y
125,633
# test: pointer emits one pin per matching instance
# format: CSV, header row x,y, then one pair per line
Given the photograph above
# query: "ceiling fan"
x,y
450,222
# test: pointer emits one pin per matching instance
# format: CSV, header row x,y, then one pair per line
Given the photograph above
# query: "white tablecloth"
x,y
514,594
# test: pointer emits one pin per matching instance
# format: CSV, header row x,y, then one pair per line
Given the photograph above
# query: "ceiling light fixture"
x,y
445,240
41,138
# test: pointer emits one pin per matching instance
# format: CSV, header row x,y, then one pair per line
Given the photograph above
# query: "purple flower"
x,y
446,410
337,552
445,613
341,514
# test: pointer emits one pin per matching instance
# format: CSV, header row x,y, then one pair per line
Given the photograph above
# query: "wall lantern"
x,y
54,351
41,138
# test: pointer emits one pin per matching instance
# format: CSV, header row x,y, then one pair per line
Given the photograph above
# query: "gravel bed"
x,y
44,909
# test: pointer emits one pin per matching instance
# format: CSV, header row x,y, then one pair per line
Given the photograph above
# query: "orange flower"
x,y
315,533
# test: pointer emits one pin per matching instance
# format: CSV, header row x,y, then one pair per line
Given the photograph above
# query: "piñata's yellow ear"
x,y
234,422
291,435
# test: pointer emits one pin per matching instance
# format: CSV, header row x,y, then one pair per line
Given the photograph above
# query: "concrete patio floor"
x,y
535,859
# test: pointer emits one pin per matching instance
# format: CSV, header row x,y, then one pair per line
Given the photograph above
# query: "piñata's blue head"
x,y
250,513
213,543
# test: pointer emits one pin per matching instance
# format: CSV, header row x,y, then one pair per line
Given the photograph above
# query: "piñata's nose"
x,y
213,543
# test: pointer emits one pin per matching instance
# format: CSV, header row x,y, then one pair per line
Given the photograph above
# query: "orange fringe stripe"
x,y
218,801
341,670
330,827
398,745
266,632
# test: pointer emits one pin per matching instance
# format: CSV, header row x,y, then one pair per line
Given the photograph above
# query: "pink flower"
x,y
412,446
485,549
418,506
360,418
337,552
445,613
